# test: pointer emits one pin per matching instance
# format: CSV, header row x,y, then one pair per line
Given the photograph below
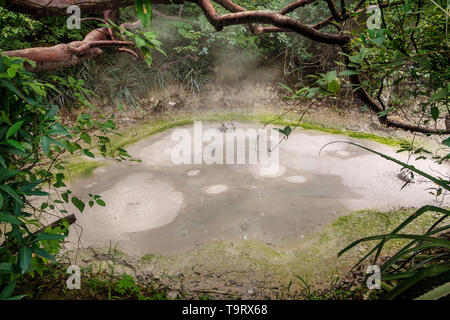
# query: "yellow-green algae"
x,y
78,167
141,131
313,258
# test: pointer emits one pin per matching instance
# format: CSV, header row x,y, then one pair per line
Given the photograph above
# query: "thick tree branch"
x,y
343,10
272,18
70,54
333,10
44,8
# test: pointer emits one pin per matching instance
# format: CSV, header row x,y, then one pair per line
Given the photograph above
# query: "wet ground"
x,y
158,207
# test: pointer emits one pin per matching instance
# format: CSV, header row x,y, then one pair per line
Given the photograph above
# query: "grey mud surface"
x,y
158,208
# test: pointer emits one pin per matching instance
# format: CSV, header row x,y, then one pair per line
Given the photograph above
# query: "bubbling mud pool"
x,y
158,207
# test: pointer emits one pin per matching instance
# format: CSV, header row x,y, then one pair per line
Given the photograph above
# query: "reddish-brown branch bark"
x,y
64,55
61,55
333,10
267,17
45,8
70,54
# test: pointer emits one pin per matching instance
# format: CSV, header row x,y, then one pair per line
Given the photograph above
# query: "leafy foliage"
x,y
32,144
18,31
407,59
422,265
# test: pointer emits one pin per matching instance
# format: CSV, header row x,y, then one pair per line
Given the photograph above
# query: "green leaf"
x,y
8,218
6,267
10,86
436,293
78,204
334,86
355,59
331,75
385,112
380,38
430,271
403,251
285,87
43,253
312,92
140,43
101,202
88,153
434,113
13,129
11,193
446,142
349,73
85,137
6,174
8,290
51,112
143,10
48,236
45,144
56,129
25,254
287,130
19,297
2,161
15,144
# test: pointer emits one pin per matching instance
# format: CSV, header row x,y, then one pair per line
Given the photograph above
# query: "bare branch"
x,y
267,17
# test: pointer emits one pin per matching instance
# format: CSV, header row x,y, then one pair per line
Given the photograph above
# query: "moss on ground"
x,y
77,167
142,131
321,251
313,259
300,271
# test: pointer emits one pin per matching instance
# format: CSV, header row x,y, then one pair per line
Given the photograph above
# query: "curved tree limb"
x,y
45,8
70,54
268,17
